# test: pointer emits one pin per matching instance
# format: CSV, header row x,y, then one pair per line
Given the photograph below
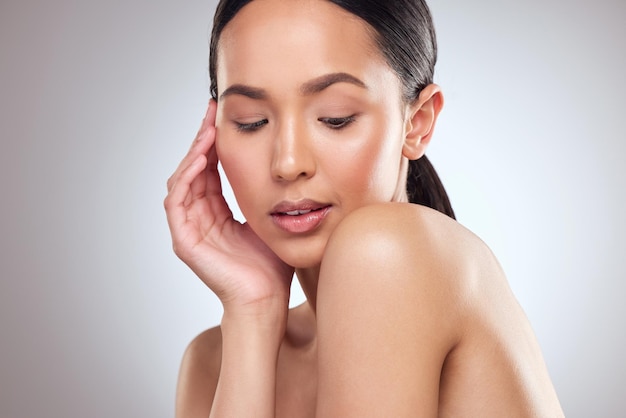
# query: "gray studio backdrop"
x,y
100,99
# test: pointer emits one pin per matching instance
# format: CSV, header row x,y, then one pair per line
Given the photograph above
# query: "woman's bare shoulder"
x,y
398,252
433,297
392,247
393,274
406,220
199,373
415,236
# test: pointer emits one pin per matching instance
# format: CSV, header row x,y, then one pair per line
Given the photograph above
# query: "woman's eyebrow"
x,y
313,86
320,83
251,92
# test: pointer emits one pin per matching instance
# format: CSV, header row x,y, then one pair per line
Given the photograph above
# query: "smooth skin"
x,y
407,312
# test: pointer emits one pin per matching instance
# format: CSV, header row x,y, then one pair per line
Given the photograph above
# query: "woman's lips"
x,y
299,217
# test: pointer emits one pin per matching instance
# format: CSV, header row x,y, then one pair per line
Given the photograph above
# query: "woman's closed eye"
x,y
331,122
338,123
250,127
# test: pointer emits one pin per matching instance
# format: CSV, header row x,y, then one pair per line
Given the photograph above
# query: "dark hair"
x,y
405,35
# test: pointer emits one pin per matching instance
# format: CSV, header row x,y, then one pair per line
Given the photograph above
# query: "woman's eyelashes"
x,y
331,122
250,127
338,123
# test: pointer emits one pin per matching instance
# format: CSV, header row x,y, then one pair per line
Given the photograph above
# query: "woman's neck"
x,y
308,278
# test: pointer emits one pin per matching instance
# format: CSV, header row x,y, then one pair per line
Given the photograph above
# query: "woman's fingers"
x,y
178,199
199,144
195,186
213,188
208,185
211,112
188,173
206,143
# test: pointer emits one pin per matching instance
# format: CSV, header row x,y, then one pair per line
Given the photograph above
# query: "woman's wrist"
x,y
265,318
251,340
259,310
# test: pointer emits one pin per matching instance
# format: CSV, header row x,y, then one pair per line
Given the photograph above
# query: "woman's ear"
x,y
420,121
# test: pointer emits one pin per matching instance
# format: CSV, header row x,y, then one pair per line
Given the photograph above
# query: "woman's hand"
x,y
227,255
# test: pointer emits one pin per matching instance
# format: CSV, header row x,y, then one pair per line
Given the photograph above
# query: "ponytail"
x,y
425,188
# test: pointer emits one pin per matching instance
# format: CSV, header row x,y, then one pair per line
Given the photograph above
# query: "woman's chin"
x,y
299,258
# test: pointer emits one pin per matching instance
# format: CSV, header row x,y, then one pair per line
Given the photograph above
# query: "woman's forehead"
x,y
295,39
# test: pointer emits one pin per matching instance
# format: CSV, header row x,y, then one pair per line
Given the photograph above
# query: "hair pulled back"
x,y
405,35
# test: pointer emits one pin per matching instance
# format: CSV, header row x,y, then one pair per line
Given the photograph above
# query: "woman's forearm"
x,y
247,382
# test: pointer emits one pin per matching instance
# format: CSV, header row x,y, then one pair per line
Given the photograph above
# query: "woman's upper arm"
x,y
199,372
386,317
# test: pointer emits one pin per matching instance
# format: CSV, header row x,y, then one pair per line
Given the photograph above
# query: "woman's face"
x,y
310,122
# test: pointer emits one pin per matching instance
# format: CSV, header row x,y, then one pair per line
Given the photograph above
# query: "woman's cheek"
x,y
232,158
246,171
379,164
372,165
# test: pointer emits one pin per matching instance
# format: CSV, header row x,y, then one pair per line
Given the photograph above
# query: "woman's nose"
x,y
293,156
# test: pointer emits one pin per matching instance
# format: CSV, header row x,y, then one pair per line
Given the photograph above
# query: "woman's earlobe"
x,y
414,149
421,118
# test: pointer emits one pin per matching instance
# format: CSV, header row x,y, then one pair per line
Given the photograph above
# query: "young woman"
x,y
321,114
